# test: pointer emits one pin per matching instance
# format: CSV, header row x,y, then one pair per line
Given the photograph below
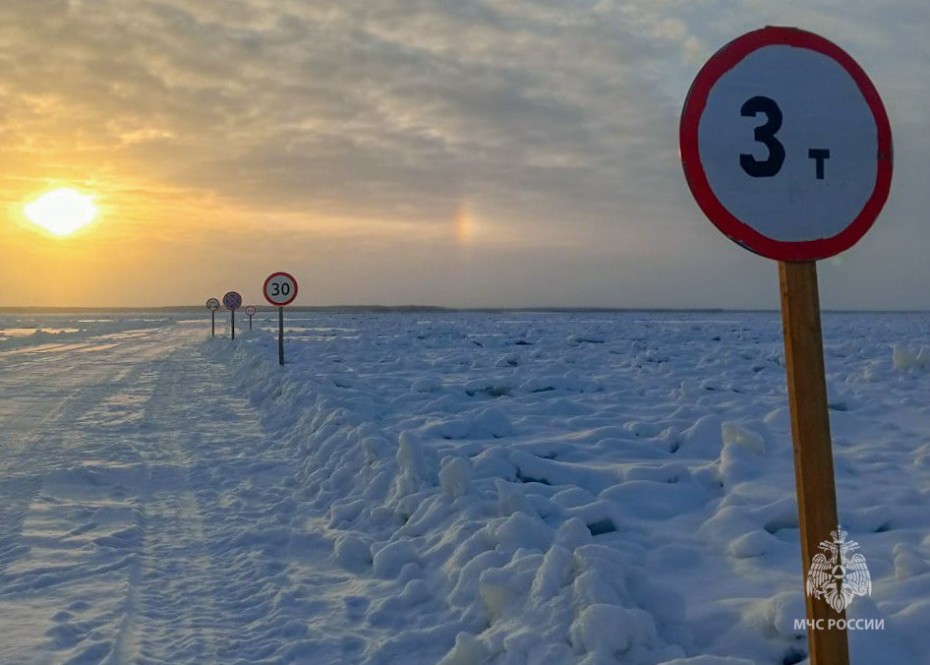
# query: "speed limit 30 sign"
x,y
280,289
786,145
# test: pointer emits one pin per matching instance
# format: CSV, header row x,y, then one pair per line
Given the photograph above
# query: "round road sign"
x,y
280,289
250,310
786,145
213,304
232,300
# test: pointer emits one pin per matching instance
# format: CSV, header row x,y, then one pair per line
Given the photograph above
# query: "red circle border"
x,y
741,233
271,277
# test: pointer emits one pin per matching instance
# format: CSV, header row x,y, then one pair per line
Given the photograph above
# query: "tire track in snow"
x,y
70,535
171,617
206,574
181,521
36,439
235,568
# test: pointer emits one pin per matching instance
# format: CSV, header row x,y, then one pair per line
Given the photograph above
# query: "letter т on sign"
x,y
786,146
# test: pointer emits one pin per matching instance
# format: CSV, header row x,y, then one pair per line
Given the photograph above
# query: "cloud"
x,y
555,123
376,105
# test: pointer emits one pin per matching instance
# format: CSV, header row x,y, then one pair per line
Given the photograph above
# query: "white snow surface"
x,y
455,488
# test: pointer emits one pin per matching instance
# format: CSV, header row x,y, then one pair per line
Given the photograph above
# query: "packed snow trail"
x,y
144,516
67,509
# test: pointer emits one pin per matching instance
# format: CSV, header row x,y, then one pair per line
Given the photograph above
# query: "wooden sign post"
x,y
280,289
786,146
812,447
232,301
213,304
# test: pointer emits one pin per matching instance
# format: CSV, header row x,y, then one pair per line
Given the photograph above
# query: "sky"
x,y
463,153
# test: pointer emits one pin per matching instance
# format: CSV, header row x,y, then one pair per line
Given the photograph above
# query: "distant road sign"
x,y
232,301
280,289
786,145
213,304
250,310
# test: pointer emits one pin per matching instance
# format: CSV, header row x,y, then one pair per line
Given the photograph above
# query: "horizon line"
x,y
52,309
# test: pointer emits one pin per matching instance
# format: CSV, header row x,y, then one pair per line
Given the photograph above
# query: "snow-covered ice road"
x,y
445,488
137,525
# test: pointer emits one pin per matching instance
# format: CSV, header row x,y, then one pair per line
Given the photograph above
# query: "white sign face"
x,y
280,289
213,304
786,145
250,310
811,142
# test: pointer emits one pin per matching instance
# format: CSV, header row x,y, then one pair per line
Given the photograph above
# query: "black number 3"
x,y
765,134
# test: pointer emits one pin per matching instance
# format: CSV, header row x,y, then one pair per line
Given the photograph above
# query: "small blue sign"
x,y
232,300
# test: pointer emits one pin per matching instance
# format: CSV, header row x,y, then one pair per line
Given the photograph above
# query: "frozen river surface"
x,y
455,488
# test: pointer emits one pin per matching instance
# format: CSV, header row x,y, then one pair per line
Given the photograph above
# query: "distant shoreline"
x,y
400,309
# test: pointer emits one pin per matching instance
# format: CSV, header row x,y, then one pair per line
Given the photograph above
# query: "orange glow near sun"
x,y
61,212
463,223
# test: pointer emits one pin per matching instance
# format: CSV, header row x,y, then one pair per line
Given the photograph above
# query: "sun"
x,y
61,211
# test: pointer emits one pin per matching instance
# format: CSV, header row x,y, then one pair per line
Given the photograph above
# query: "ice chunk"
x,y
786,609
702,439
468,650
412,463
609,629
739,458
352,551
522,531
392,558
495,587
376,448
572,533
341,514
465,589
554,574
455,477
510,499
734,434
904,358
908,562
